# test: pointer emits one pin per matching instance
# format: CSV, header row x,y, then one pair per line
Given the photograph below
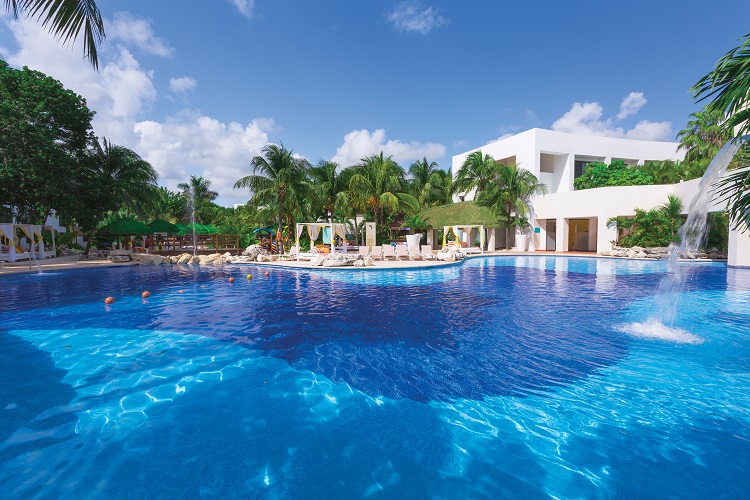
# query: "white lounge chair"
x,y
364,251
377,252
414,252
401,251
389,251
427,252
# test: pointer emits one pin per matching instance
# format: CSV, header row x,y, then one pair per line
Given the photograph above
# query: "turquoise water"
x,y
500,377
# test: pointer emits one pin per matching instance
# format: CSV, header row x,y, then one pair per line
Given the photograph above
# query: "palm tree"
x,y
134,178
728,87
66,19
198,192
428,183
704,135
328,188
509,193
671,211
379,183
281,180
475,173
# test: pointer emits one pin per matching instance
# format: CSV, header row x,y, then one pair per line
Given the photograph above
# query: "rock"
x,y
368,260
194,260
641,255
655,250
184,259
253,251
631,254
317,260
606,253
120,256
637,249
148,259
359,263
261,257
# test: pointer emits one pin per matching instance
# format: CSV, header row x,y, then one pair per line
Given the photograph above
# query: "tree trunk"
x,y
88,243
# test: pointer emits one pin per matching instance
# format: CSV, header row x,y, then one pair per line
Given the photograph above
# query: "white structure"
x,y
570,220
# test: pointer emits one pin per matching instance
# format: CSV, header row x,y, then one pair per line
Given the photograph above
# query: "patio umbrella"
x,y
126,227
183,230
162,226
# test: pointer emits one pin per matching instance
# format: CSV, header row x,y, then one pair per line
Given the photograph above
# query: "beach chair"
x,y
389,251
414,252
402,251
364,251
376,252
427,252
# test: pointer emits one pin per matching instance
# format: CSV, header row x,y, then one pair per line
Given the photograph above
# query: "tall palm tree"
x,y
428,183
327,188
704,135
379,183
133,176
278,179
65,20
728,87
198,192
509,193
475,173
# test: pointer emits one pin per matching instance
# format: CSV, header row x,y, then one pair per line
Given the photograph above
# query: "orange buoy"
x,y
231,280
180,291
146,294
109,300
266,273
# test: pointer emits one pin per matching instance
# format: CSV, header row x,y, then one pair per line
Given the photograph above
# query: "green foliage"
x,y
704,136
66,19
44,133
598,174
657,227
429,184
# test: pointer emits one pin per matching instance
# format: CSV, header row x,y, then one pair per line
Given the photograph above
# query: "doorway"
x,y
551,228
578,236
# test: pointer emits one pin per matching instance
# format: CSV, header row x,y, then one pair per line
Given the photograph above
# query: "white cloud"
x,y
121,93
130,30
586,118
245,7
194,144
631,104
182,84
361,143
413,16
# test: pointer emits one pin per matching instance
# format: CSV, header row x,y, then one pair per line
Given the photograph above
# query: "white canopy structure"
x,y
313,230
32,231
464,227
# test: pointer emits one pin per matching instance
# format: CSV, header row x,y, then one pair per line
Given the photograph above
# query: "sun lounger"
x,y
389,251
414,252
427,252
470,250
364,251
401,251
377,252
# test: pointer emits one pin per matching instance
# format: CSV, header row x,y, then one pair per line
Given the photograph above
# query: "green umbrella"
x,y
126,227
162,226
183,229
211,229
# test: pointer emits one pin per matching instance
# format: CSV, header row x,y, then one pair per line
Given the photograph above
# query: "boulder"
x,y
120,256
148,259
184,259
194,260
253,251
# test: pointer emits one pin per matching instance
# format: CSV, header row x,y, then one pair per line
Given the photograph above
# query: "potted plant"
x,y
522,226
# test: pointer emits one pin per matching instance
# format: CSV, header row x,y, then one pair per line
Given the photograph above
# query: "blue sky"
x,y
200,91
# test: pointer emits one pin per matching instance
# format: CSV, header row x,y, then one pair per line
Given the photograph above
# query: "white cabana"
x,y
313,230
467,228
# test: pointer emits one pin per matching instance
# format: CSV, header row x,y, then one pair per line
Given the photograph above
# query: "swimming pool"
x,y
500,377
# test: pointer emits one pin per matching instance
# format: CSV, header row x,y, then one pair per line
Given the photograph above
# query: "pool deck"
x,y
71,262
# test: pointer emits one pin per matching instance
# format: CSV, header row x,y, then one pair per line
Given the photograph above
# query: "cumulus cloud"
x,y
194,144
586,118
245,7
121,93
361,143
416,17
631,104
130,30
182,84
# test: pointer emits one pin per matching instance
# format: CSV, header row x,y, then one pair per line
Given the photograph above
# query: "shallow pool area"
x,y
514,377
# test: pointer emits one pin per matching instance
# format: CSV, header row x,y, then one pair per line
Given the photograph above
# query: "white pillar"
x,y
604,235
491,239
739,248
561,237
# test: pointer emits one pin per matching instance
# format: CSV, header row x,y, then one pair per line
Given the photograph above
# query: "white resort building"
x,y
568,220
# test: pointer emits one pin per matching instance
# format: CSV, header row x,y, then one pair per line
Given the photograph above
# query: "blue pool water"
x,y
501,377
